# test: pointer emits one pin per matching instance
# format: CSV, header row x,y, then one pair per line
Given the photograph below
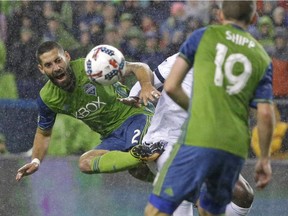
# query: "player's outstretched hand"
x,y
263,173
149,93
131,101
27,169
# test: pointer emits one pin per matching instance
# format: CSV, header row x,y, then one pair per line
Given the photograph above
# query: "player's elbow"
x,y
169,88
84,164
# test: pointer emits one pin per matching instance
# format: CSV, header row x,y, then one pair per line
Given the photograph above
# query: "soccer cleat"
x,y
148,152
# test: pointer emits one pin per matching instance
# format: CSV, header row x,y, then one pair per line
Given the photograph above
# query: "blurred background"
x,y
146,31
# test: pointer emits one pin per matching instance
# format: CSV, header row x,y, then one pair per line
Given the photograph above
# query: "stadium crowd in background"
x,y
146,31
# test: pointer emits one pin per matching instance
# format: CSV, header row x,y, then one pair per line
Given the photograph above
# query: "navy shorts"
x,y
129,134
190,170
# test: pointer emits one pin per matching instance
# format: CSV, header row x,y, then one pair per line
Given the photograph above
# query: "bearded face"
x,y
64,79
55,65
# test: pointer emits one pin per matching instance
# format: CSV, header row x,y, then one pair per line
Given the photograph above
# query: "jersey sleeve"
x,y
135,90
46,117
189,47
264,91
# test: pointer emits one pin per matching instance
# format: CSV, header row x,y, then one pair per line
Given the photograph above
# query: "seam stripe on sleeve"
x,y
159,76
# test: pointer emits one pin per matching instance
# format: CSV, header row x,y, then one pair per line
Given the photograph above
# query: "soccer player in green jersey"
x,y
70,92
231,72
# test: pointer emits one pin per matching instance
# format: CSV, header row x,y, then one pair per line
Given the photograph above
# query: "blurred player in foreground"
x,y
70,92
166,127
231,71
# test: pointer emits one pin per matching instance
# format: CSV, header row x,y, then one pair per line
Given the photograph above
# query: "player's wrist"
x,y
36,161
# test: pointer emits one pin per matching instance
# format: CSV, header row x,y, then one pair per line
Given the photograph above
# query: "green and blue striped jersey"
x,y
231,72
94,104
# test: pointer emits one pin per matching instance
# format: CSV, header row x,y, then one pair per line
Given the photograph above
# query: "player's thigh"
x,y
220,181
137,128
181,174
129,134
180,178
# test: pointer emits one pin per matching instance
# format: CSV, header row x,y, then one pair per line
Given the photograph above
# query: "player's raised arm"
x,y
40,146
144,75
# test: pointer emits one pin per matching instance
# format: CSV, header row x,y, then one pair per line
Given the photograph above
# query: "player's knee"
x,y
150,210
84,164
243,194
85,160
147,210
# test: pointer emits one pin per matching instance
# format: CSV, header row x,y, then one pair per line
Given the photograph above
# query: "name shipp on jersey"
x,y
239,39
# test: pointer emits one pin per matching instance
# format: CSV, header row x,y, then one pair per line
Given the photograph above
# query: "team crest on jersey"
x,y
90,89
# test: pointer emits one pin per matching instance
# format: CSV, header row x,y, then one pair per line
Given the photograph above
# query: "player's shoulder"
x,y
48,91
78,64
196,36
77,61
200,31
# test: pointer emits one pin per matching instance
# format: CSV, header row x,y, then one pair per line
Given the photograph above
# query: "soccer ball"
x,y
105,64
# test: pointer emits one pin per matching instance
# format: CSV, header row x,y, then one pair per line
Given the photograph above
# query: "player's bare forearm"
x,y
40,146
141,70
41,143
265,125
144,75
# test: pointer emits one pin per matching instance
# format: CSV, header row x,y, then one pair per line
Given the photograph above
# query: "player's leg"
x,y
86,158
117,145
178,179
217,191
243,196
185,208
104,161
151,210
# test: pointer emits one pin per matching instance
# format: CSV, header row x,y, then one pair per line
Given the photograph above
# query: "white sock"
x,y
184,209
234,210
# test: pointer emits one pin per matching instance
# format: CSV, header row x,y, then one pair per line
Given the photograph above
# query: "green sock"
x,y
114,161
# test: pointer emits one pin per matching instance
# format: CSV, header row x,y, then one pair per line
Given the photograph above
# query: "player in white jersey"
x,y
166,126
165,107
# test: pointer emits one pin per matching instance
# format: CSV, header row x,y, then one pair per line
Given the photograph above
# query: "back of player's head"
x,y
46,47
239,10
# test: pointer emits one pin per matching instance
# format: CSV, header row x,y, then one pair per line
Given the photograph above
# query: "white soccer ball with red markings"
x,y
105,64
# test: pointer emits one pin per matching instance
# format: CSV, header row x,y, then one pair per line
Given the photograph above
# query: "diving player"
x,y
70,92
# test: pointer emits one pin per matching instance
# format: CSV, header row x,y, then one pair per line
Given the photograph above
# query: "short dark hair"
x,y
238,10
46,47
